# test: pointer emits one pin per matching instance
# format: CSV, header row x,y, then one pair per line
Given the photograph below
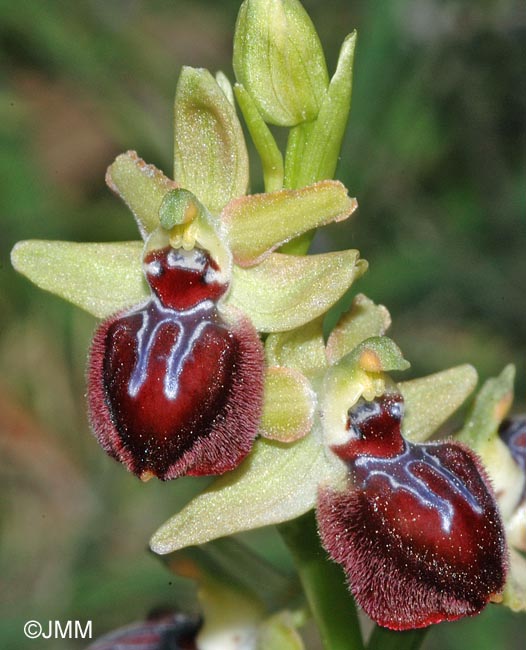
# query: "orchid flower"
x,y
211,357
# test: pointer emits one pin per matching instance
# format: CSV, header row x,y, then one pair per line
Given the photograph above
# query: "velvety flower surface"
x,y
177,379
417,529
173,388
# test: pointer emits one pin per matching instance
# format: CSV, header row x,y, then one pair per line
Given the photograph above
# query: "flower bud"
x,y
279,60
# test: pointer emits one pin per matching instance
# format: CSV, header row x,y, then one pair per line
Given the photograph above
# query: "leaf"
x,y
288,407
274,484
363,320
100,278
210,155
260,223
141,186
431,400
286,291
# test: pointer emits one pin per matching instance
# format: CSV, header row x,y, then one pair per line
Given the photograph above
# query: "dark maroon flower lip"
x,y
417,530
174,388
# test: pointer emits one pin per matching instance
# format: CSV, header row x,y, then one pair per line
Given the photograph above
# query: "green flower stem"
x,y
296,144
324,584
384,639
271,158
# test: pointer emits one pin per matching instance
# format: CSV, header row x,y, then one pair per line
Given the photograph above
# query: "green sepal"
x,y
324,139
431,400
363,320
288,406
274,484
141,186
302,348
489,409
279,59
210,156
269,153
259,223
100,278
287,291
359,373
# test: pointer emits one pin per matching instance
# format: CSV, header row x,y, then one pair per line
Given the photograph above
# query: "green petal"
x,y
210,155
490,408
100,278
276,483
302,348
287,291
515,590
288,408
429,401
259,223
141,186
360,373
363,320
279,59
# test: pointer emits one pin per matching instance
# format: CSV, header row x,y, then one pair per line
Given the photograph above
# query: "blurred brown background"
x,y
435,153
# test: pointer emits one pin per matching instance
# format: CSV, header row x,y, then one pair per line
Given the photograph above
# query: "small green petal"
x,y
276,483
100,278
363,320
288,407
429,401
141,186
210,155
259,223
490,408
322,148
302,348
514,595
359,373
279,59
287,291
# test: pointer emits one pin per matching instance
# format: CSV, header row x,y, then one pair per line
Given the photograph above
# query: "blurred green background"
x,y
435,153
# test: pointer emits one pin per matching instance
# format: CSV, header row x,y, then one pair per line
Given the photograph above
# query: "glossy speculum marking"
x,y
513,433
417,529
174,388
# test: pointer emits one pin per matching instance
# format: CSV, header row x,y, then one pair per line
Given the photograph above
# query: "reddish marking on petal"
x,y
176,391
182,279
418,533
